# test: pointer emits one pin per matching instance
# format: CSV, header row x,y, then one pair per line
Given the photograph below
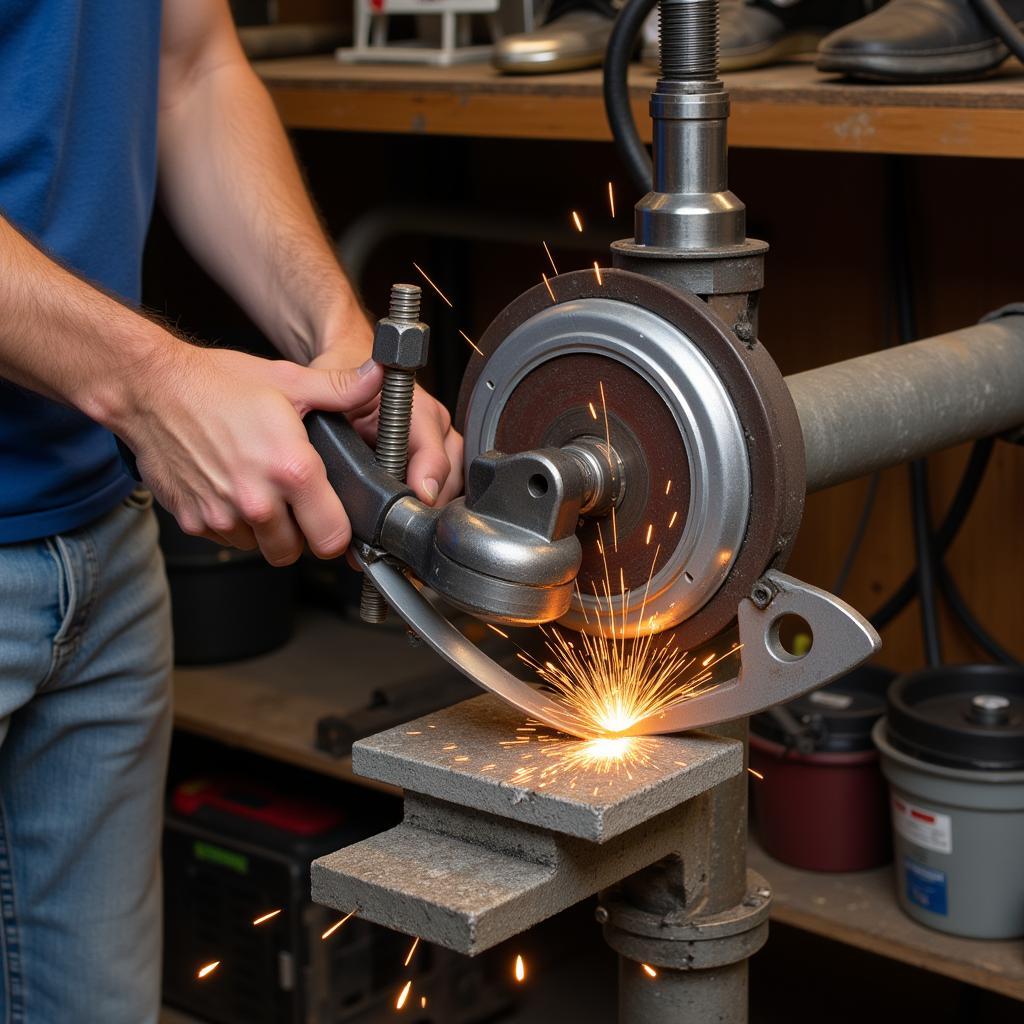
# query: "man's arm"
x,y
231,186
218,434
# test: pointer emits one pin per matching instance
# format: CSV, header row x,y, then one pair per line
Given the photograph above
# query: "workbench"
x,y
790,107
270,705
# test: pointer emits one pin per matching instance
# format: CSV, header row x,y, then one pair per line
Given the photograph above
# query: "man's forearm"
x,y
232,188
218,434
67,340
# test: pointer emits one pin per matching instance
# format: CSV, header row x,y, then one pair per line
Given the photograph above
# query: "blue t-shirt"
x,y
78,98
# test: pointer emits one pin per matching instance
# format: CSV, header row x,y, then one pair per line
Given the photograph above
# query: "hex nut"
x,y
401,346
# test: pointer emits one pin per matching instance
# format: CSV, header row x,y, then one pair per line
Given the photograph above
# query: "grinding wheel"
x,y
702,423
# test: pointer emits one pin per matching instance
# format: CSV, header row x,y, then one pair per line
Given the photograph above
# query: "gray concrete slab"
x,y
483,754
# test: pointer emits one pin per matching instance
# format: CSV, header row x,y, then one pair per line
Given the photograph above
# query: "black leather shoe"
x,y
754,33
917,41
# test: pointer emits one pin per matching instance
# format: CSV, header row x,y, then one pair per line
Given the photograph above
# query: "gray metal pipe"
x,y
888,407
683,997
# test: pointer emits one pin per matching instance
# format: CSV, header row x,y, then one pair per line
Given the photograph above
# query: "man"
x,y
94,95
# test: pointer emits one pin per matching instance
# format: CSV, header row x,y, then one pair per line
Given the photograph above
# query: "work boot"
x,y
754,33
918,41
574,36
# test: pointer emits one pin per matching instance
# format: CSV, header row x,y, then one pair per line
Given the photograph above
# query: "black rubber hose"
x,y
927,564
621,47
994,15
966,491
859,533
924,547
974,628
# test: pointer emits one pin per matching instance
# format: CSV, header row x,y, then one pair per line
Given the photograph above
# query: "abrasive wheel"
x,y
702,424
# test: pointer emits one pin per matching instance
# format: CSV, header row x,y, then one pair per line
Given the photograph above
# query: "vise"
x,y
606,412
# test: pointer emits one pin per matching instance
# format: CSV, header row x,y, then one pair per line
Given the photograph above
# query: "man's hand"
x,y
435,447
220,441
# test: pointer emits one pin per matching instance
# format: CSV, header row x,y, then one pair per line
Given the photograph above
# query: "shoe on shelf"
x,y
573,36
755,33
918,41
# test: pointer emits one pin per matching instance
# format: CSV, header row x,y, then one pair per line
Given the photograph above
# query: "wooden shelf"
x,y
860,910
791,106
271,705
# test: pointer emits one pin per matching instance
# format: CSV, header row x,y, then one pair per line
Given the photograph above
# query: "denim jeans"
x,y
85,658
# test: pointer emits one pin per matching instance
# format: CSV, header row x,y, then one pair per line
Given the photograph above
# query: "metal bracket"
x,y
841,639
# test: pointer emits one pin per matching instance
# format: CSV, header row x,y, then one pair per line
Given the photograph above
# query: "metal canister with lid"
x,y
952,746
822,802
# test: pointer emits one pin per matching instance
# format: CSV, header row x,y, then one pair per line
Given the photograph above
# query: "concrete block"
x,y
507,822
491,880
483,754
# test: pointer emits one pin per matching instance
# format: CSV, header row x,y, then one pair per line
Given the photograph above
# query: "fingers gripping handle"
x,y
367,491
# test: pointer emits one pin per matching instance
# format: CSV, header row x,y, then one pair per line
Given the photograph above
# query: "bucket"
x,y
952,746
822,804
225,604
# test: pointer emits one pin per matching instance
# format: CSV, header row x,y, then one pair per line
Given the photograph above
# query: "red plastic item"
x,y
821,811
297,815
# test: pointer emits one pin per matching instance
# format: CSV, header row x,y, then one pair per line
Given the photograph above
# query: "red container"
x,y
826,808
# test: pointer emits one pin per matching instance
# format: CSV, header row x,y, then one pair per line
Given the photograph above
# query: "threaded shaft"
x,y
373,608
688,31
405,303
393,419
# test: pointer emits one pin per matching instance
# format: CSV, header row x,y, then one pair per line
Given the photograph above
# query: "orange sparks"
x,y
403,995
576,220
423,1002
412,950
672,520
607,683
707,661
337,924
650,530
668,487
649,971
434,286
208,969
548,285
551,259
755,773
597,273
472,344
611,199
520,968
500,632
266,917
593,411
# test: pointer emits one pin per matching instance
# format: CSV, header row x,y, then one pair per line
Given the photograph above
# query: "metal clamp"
x,y
693,943
768,676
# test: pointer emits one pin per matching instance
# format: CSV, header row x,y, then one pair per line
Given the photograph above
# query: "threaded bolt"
x,y
405,303
393,420
688,38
